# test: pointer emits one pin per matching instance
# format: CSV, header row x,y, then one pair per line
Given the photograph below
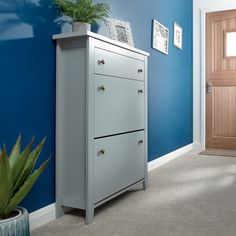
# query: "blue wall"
x,y
27,80
27,84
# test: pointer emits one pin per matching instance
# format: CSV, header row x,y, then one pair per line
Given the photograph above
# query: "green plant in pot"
x,y
17,176
83,12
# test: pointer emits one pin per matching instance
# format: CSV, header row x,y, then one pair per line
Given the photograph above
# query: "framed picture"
x,y
178,31
120,31
160,37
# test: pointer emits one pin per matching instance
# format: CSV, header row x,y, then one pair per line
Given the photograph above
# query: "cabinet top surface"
x,y
99,37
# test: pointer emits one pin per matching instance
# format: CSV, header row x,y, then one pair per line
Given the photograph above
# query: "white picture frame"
x,y
120,31
178,36
160,39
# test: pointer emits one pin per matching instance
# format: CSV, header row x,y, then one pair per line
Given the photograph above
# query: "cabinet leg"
x,y
144,185
59,210
89,215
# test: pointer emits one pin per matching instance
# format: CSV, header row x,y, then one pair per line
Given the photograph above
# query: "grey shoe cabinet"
x,y
101,120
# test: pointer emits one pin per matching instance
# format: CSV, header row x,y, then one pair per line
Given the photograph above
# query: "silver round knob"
x,y
101,62
140,70
140,142
101,152
101,88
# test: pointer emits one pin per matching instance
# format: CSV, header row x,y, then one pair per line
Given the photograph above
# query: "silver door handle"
x,y
101,152
101,88
140,70
101,62
140,142
209,87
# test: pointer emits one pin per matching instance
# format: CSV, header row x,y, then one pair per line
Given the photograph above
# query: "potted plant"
x,y
83,12
16,179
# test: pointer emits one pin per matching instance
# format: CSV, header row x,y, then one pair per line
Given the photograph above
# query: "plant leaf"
x,y
15,152
35,154
5,182
26,187
29,165
19,163
83,10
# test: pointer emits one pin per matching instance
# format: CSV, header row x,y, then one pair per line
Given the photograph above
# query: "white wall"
x,y
198,5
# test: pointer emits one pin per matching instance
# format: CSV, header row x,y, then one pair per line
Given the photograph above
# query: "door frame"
x,y
203,67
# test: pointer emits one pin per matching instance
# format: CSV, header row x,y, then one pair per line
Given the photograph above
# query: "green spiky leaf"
x,y
15,152
5,182
16,177
29,165
24,190
20,162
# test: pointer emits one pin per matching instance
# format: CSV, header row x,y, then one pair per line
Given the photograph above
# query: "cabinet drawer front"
x,y
114,64
118,163
119,105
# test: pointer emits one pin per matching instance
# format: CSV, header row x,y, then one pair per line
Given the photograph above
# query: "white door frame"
x,y
203,60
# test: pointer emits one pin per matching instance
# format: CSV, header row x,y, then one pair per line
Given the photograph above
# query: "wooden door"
x,y
220,82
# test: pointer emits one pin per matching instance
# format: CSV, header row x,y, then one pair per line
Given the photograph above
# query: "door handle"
x,y
101,62
140,70
101,88
140,91
140,142
101,152
208,87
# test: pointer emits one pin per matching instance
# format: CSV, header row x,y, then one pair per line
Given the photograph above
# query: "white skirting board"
x,y
48,213
42,216
168,157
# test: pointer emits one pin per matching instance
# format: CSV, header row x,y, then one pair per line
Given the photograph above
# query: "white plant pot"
x,y
17,225
81,27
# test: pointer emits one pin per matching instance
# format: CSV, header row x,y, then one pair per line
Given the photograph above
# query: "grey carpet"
x,y
190,196
219,152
